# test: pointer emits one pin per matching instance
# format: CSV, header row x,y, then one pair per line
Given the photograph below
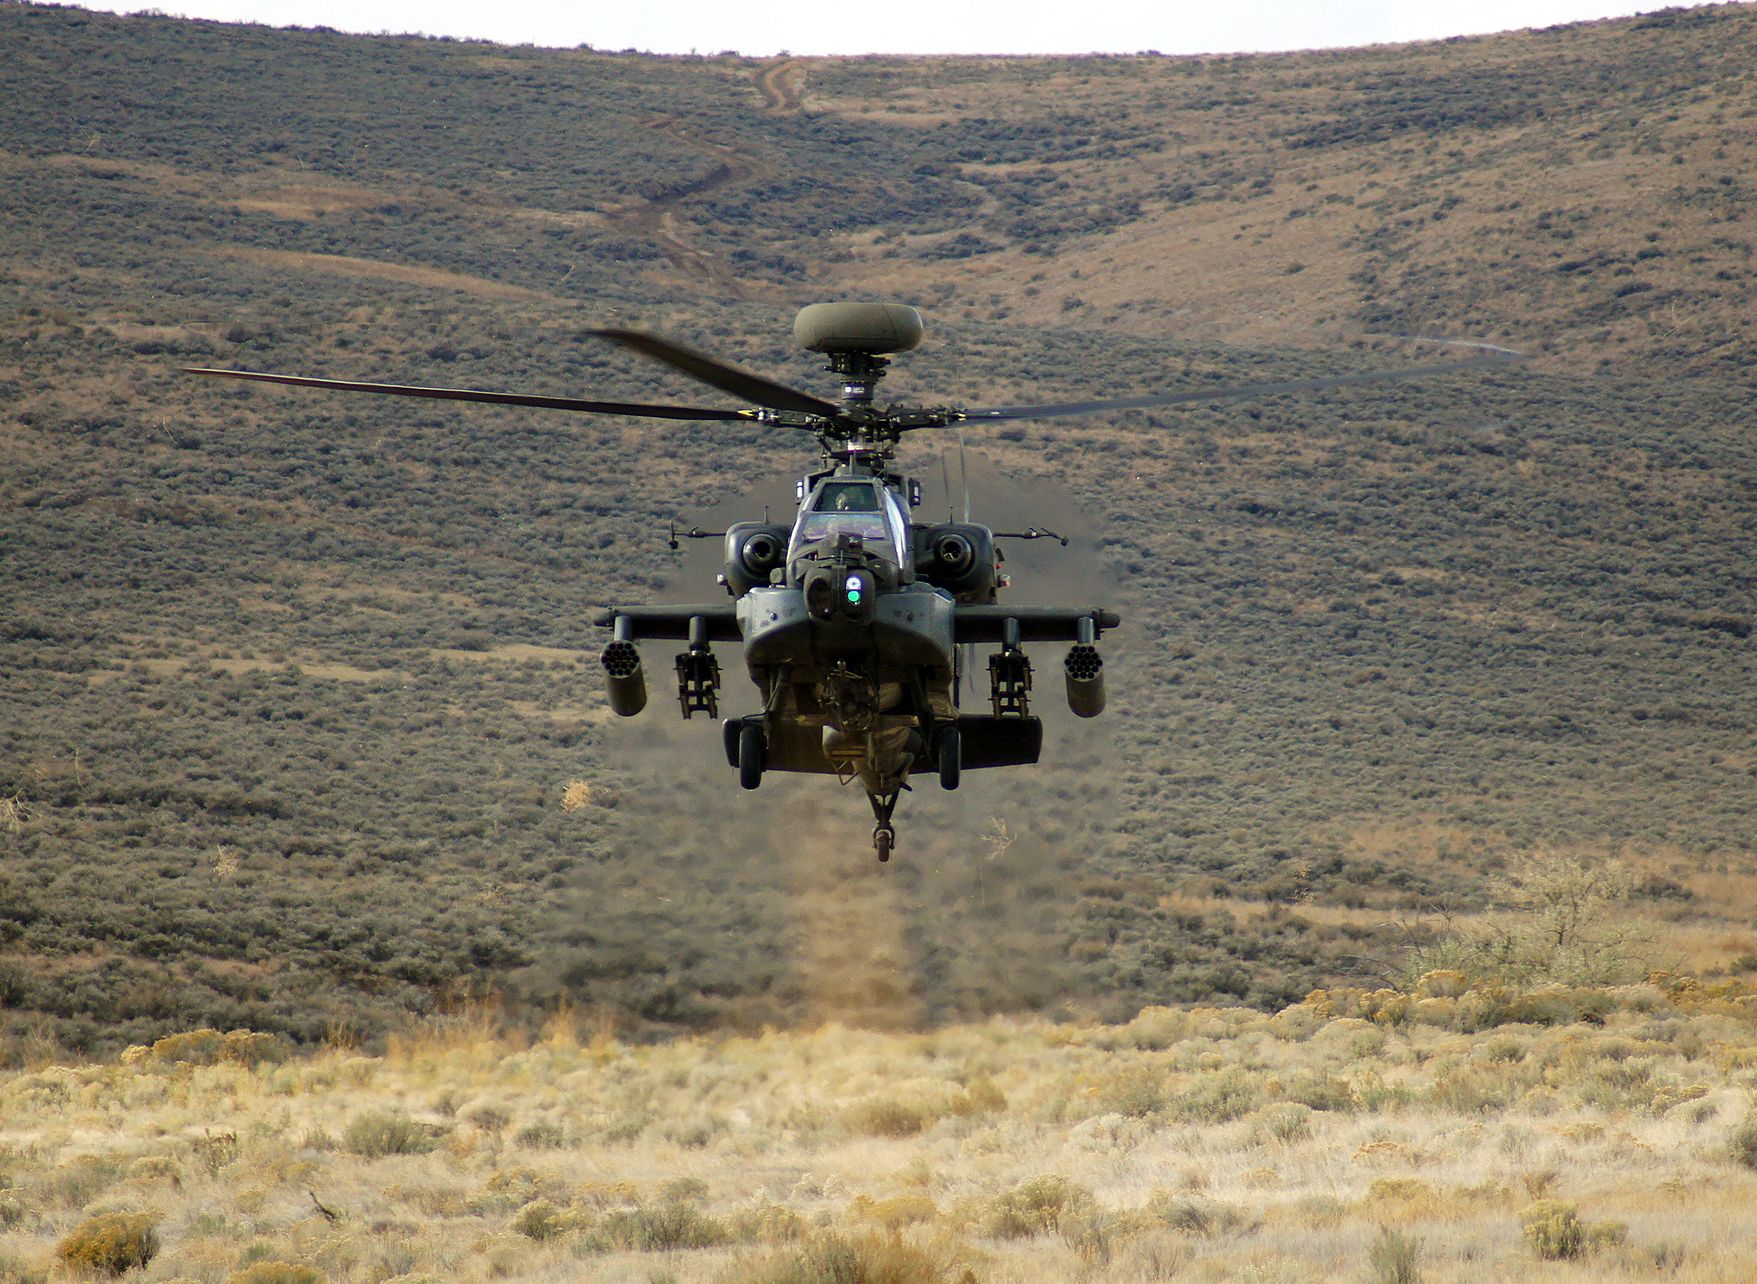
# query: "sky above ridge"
x,y
760,28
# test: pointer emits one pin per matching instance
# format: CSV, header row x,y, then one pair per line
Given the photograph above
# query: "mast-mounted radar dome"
x,y
871,328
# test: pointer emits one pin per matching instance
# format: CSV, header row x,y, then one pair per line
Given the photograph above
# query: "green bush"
x,y
1217,1098
541,1136
1742,1143
1394,1258
1037,1207
383,1132
659,1228
1286,1122
110,1244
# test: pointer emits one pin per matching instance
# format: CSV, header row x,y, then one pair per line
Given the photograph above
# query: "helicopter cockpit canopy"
x,y
858,507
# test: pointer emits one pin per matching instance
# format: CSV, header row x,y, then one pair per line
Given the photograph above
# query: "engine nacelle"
x,y
957,557
753,551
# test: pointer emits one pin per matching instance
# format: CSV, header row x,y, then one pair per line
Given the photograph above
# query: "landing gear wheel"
x,y
883,839
949,753
753,754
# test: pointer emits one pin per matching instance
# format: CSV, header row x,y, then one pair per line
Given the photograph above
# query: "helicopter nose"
x,y
840,593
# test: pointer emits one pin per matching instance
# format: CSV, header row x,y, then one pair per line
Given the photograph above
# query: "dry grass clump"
x,y
577,796
111,1243
268,1272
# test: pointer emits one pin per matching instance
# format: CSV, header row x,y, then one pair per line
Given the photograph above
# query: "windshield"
x,y
863,509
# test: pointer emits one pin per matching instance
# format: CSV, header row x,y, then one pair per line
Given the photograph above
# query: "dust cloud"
x,y
717,907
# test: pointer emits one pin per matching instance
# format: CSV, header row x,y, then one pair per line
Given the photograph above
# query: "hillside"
x,y
295,685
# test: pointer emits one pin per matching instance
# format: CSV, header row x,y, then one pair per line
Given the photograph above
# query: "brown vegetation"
x,y
1545,1134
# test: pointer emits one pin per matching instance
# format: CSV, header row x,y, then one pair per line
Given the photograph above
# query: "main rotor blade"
x,y
717,374
1231,392
492,398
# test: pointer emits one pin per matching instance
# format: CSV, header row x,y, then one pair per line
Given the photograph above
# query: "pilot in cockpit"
x,y
848,497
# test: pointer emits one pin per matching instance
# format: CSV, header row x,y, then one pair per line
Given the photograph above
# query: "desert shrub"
x,y
512,1188
1321,1091
1036,1207
980,1097
1091,1235
278,1273
156,1168
1667,1258
659,1228
541,1136
1136,1094
540,1220
206,1047
1156,1255
1217,1098
13,1271
1742,1142
829,1258
1190,1215
1285,1122
215,1150
1563,929
79,1181
485,1116
1474,1089
383,1132
1553,1230
767,1224
1441,983
896,1212
888,1117
1394,1258
110,1244
684,1190
1556,1233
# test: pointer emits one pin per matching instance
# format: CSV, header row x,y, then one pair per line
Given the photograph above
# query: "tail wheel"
x,y
884,838
753,754
949,752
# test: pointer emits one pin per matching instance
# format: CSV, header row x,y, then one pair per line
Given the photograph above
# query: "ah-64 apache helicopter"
x,y
852,618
